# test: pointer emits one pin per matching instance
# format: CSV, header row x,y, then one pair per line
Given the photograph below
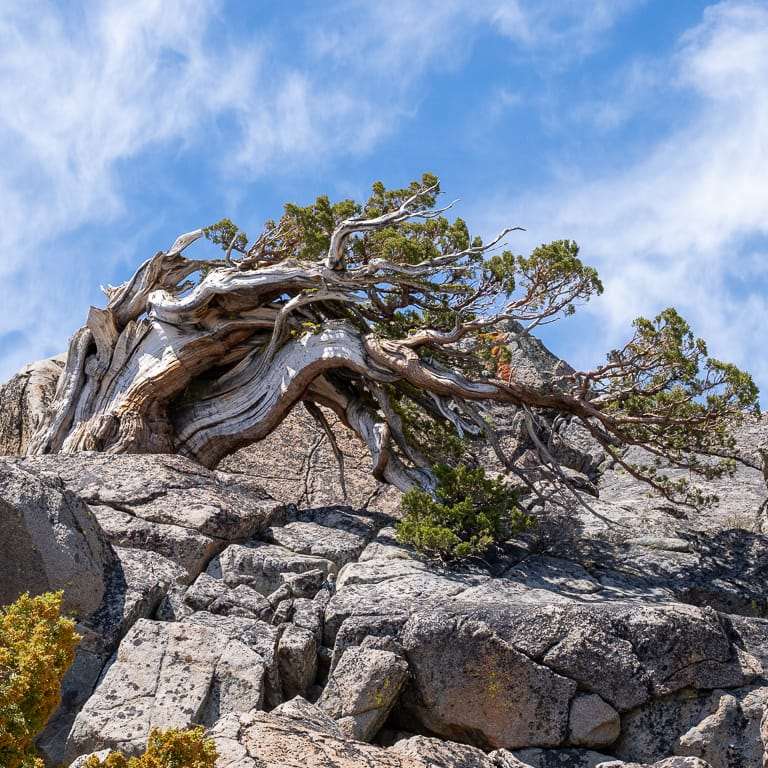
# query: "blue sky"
x,y
640,129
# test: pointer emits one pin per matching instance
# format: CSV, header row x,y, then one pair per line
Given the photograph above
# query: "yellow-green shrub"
x,y
166,749
37,647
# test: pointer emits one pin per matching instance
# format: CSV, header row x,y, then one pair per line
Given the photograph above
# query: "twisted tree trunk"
x,y
203,371
205,367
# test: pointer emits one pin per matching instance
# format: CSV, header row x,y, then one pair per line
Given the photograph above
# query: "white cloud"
x,y
678,226
402,38
89,87
83,91
571,28
79,93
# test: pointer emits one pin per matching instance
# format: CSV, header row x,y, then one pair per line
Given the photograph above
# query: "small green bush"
x,y
468,514
173,748
37,647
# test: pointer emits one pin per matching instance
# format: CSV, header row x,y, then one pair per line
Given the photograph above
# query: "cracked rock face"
x,y
274,740
296,464
296,628
168,675
467,684
115,534
592,722
362,690
166,504
448,754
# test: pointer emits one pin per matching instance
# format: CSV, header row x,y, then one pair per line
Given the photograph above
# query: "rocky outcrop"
x,y
448,754
562,658
24,400
719,726
271,740
362,690
621,632
119,535
592,722
469,667
164,504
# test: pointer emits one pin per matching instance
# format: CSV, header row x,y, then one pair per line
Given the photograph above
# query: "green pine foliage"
x,y
434,437
696,401
660,391
225,233
468,514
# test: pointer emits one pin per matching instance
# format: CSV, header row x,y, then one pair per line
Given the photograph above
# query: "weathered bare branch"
x,y
319,417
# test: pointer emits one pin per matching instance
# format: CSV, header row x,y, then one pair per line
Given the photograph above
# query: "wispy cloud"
x,y
91,89
82,91
87,89
402,38
565,29
680,225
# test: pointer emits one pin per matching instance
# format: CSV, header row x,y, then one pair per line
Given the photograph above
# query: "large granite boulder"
x,y
273,740
469,684
171,675
719,726
362,690
448,754
24,399
50,540
166,504
470,667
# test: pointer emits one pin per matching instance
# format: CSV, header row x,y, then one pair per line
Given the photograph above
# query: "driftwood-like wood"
x,y
203,367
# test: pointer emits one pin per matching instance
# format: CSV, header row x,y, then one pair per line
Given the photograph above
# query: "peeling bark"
x,y
204,368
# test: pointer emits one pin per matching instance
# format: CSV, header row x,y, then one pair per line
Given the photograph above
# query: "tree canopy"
x,y
393,315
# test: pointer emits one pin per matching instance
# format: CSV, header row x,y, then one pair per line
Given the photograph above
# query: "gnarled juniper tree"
x,y
389,314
